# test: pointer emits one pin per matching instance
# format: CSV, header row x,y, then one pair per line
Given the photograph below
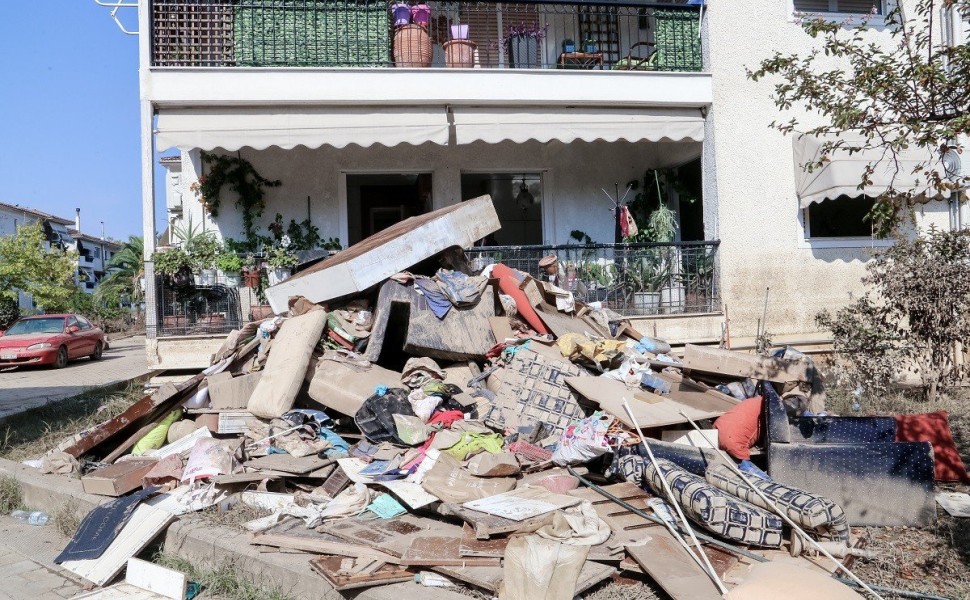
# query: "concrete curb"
x,y
191,539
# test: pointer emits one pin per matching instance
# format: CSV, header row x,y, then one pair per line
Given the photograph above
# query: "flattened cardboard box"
x,y
117,479
228,392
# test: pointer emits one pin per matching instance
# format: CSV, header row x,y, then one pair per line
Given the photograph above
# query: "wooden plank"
x,y
390,251
393,536
653,547
651,410
740,365
146,523
441,551
164,399
495,547
250,477
487,525
167,583
331,568
288,464
490,578
293,534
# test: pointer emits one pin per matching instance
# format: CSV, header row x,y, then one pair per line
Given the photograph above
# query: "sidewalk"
x,y
21,389
25,550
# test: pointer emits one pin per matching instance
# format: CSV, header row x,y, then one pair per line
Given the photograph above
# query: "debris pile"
x,y
405,416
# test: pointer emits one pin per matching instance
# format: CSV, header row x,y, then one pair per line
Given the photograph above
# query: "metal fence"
x,y
632,279
207,304
382,33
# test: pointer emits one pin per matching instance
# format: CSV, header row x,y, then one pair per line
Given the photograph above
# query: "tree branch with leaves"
x,y
885,98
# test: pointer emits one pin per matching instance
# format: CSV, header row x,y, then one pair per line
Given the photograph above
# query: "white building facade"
x,y
94,253
567,101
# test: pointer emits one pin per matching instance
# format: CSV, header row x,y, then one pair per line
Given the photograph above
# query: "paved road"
x,y
27,563
25,388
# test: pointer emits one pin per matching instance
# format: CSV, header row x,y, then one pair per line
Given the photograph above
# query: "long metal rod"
x,y
734,549
783,514
680,513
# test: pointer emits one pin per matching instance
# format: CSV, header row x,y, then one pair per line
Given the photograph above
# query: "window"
x,y
84,323
854,7
843,217
517,198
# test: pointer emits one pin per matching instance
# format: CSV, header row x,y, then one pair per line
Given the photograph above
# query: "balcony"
x,y
339,34
635,280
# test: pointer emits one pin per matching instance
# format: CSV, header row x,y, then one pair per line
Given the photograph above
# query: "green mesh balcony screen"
x,y
311,33
678,40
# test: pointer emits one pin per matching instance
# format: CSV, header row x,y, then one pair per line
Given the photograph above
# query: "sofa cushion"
x,y
739,428
717,511
935,429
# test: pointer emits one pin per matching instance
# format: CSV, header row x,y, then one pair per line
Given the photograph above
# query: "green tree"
x,y
126,268
910,93
27,264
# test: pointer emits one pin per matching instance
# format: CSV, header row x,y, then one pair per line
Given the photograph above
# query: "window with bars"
x,y
855,7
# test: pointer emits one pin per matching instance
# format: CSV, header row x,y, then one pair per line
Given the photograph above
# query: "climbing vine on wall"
x,y
243,179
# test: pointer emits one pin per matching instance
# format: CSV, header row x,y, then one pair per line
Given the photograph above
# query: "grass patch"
x,y
66,518
34,432
234,518
11,495
223,582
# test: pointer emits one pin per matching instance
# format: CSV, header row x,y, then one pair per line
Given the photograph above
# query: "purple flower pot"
x,y
421,14
401,13
459,32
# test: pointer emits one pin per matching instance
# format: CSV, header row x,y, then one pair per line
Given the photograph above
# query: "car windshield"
x,y
37,326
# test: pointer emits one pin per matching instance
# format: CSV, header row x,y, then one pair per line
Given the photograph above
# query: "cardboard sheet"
x,y
522,504
650,409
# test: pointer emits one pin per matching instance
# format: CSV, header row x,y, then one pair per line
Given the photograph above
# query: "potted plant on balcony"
x,y
280,261
203,252
460,51
647,276
231,266
170,261
522,44
412,42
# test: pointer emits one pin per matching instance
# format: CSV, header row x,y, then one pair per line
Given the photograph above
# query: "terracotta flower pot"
x,y
412,47
459,54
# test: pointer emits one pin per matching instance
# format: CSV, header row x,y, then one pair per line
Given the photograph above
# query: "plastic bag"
x,y
208,459
583,440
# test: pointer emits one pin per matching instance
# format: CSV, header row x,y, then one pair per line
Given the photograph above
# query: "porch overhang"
x,y
842,171
287,127
544,124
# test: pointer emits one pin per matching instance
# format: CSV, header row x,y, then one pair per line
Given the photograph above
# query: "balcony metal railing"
x,y
612,35
632,279
203,306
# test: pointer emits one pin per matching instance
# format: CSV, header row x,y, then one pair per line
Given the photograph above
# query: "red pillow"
x,y
739,428
935,429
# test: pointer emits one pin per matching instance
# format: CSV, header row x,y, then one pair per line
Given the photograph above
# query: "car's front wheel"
x,y
61,361
98,351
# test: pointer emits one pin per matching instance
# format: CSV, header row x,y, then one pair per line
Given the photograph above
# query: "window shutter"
x,y
482,20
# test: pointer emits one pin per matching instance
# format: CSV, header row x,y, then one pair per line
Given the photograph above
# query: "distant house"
x,y
94,252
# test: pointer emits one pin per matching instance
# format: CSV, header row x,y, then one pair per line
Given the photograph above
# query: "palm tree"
x,y
126,267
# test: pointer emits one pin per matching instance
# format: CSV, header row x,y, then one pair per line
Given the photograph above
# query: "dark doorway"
x,y
375,202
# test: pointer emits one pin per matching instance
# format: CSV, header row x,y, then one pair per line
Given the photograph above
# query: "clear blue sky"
x,y
69,113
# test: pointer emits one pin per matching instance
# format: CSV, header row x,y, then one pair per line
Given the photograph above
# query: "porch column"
x,y
148,216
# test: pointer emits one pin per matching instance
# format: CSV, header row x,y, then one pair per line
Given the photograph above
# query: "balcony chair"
x,y
644,60
854,461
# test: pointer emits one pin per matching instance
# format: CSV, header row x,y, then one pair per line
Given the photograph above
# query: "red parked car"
x,y
50,340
